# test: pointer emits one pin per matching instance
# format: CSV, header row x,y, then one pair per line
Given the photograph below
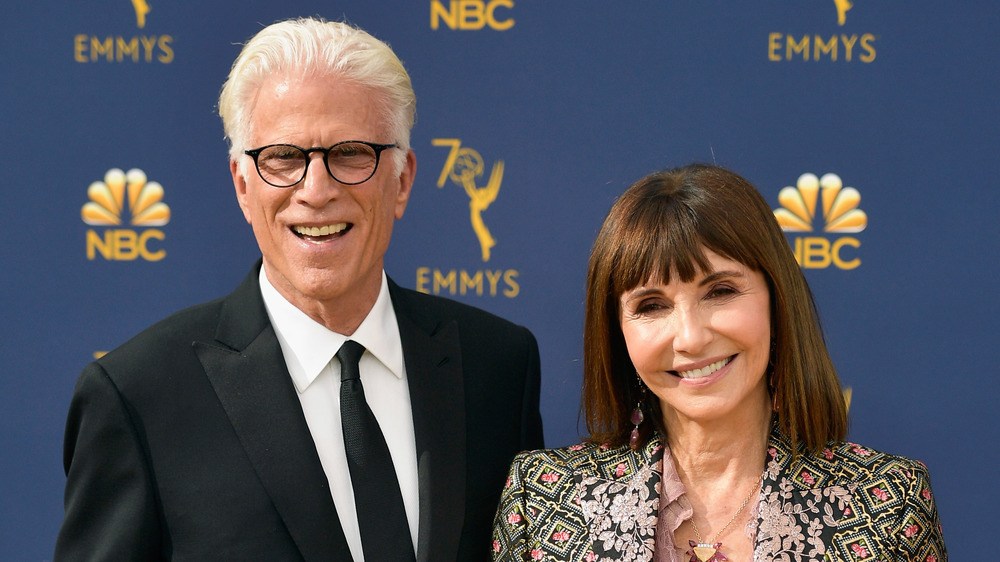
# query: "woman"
x,y
715,415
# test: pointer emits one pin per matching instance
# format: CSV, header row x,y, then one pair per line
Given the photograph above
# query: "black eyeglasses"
x,y
349,162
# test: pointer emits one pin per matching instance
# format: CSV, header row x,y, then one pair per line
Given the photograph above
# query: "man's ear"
x,y
240,183
405,183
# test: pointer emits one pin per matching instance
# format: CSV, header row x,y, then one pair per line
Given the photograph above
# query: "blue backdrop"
x,y
532,118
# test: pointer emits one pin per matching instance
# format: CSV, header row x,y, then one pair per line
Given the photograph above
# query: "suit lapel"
x,y
802,502
251,380
432,354
620,500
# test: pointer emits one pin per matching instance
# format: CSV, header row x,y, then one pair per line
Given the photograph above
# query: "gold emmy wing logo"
x,y
800,208
843,6
464,166
805,46
141,9
109,200
839,205
118,48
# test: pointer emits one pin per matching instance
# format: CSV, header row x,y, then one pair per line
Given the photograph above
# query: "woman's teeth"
x,y
704,371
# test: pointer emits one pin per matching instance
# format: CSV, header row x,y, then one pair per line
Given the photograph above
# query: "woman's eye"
x,y
649,307
721,291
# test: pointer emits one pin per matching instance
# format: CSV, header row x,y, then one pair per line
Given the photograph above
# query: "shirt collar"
x,y
308,346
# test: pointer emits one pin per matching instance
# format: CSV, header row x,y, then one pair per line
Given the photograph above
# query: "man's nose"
x,y
318,186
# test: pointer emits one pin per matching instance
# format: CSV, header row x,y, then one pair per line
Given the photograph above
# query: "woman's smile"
x,y
704,371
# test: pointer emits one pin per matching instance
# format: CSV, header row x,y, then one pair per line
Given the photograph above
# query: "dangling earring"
x,y
637,416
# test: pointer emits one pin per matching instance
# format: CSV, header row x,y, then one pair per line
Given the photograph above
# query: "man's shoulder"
x,y
242,310
159,358
180,329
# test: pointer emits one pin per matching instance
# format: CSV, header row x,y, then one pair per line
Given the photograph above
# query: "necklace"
x,y
709,552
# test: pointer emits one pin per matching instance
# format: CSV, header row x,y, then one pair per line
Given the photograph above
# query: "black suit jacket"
x,y
188,442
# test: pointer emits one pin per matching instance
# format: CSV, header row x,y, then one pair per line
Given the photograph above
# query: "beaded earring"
x,y
637,416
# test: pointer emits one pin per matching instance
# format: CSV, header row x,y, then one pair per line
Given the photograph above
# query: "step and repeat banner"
x,y
531,118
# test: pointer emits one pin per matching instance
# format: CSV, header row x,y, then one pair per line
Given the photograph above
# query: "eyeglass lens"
x,y
285,165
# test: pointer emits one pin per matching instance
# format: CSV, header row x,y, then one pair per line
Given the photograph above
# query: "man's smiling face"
x,y
323,242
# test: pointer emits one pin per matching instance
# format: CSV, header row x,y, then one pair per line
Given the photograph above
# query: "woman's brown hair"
x,y
659,227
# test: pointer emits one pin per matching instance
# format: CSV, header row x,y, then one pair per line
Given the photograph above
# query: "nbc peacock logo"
x,y
840,205
825,199
119,197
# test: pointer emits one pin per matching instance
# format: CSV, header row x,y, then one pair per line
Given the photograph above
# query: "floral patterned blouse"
x,y
594,502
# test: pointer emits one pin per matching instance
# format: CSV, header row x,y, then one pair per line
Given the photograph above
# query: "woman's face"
x,y
702,347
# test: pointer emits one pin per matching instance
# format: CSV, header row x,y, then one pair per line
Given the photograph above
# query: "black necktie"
x,y
385,533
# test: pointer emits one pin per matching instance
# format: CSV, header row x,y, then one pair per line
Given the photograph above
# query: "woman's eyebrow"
x,y
715,276
707,280
641,292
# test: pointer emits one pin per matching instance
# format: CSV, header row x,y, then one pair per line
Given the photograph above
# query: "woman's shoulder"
x,y
869,460
570,458
881,503
849,461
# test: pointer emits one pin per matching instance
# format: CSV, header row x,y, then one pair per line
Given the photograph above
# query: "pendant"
x,y
704,552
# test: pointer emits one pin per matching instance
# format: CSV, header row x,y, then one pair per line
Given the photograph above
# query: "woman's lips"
x,y
704,371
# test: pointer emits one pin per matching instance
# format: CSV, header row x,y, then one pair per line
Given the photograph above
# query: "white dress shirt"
x,y
309,349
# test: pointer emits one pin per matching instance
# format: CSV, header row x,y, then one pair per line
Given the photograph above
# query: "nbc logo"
x,y
840,205
840,214
472,14
107,206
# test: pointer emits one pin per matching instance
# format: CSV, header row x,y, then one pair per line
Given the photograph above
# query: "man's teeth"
x,y
704,371
320,230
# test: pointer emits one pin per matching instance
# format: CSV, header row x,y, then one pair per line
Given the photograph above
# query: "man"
x,y
225,432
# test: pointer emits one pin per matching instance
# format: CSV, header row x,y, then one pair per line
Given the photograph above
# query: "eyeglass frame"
x,y
378,148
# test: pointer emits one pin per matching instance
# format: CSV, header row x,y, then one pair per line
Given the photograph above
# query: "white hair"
x,y
315,46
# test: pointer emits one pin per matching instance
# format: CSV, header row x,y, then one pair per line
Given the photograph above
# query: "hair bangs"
x,y
661,239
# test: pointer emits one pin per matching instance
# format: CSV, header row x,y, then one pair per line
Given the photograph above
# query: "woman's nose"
x,y
692,331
